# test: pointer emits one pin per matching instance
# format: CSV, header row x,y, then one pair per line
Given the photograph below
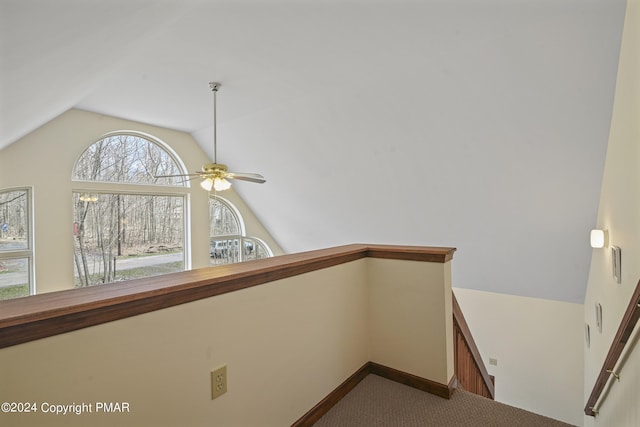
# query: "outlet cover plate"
x,y
218,381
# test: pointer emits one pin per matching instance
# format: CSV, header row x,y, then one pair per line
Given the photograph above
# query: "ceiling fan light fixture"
x,y
220,184
89,198
207,184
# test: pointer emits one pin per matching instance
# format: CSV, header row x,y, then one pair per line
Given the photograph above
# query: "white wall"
x,y
538,346
619,213
403,305
44,160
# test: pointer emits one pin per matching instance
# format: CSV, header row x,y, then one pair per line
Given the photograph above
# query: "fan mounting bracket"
x,y
214,86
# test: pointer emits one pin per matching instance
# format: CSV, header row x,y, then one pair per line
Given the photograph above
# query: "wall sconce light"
x,y
599,238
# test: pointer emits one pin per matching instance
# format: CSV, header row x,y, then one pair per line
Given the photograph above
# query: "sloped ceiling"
x,y
476,124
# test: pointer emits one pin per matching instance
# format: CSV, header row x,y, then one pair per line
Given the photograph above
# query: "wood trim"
x,y
40,316
325,405
442,390
627,325
470,369
424,254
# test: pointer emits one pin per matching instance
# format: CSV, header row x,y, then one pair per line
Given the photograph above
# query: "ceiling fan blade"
x,y
251,177
189,178
179,175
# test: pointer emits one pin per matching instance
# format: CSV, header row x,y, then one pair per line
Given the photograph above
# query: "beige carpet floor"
x,y
378,402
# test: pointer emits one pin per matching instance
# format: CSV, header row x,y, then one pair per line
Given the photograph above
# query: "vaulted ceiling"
x,y
476,124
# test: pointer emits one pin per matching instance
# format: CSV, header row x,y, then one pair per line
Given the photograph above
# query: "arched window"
x,y
128,158
228,241
127,222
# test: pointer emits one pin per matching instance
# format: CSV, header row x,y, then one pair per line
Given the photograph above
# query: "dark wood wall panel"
x,y
470,370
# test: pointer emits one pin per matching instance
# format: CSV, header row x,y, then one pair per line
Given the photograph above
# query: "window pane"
x,y
223,220
122,236
226,232
14,278
255,249
14,221
225,251
127,158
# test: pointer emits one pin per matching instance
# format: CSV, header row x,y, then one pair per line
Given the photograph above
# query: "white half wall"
x,y
403,305
538,346
287,344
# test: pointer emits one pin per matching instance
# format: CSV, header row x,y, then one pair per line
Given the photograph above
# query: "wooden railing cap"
x,y
39,316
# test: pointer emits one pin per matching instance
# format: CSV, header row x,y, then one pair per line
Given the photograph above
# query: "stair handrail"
x,y
627,325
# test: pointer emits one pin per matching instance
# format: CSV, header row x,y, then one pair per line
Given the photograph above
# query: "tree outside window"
x,y
132,224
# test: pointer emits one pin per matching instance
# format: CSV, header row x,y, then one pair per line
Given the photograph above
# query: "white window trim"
x,y
234,209
263,243
28,253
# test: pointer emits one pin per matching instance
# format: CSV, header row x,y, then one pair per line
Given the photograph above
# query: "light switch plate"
x,y
616,263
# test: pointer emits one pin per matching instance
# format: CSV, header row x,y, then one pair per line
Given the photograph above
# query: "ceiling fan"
x,y
214,175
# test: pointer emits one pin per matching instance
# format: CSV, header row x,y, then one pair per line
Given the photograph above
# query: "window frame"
x,y
29,252
242,237
144,189
154,140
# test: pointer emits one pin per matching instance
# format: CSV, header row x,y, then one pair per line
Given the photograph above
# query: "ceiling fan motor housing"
x,y
216,169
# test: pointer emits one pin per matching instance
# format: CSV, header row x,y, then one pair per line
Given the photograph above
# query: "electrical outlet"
x,y
218,381
493,361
